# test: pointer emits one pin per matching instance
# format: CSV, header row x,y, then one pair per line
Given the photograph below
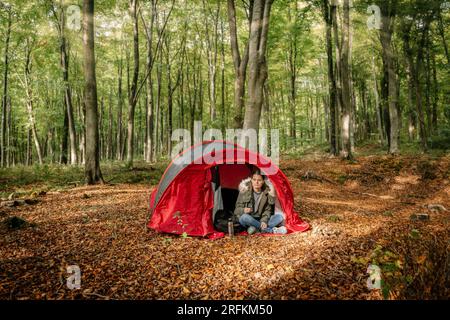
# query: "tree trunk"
x,y
109,143
8,132
51,151
428,85
331,76
82,116
67,99
240,65
119,114
414,73
424,133
29,92
338,75
378,109
158,118
5,90
442,34
388,11
149,155
29,151
170,91
222,69
93,173
259,29
435,95
411,114
132,99
101,140
293,66
212,52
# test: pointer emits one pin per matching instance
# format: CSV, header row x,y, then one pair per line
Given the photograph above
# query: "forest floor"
x,y
360,213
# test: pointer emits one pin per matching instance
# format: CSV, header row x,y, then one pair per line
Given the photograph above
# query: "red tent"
x,y
204,179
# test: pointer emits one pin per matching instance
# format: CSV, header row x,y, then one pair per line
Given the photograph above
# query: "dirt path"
x,y
360,214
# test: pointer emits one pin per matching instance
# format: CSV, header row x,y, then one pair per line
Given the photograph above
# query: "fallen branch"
x,y
311,175
380,197
95,294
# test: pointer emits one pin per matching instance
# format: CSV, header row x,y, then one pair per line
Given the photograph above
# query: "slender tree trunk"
x,y
109,143
5,90
191,99
411,114
331,76
158,120
119,114
378,109
67,100
51,152
292,63
170,91
132,99
435,95
29,150
82,116
93,173
424,133
200,93
345,79
149,156
29,92
8,132
428,85
212,52
240,64
259,29
388,10
414,72
100,129
338,75
442,34
169,99
222,70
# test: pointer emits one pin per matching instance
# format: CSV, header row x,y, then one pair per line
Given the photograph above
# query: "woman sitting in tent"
x,y
255,206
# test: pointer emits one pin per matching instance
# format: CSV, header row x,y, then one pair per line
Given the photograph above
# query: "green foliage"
x,y
296,35
388,213
391,267
342,179
334,218
414,234
58,177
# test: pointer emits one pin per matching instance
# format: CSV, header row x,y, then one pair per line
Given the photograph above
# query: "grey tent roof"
x,y
185,159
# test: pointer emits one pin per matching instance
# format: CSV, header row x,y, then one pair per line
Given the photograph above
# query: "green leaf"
x,y
385,289
415,234
360,260
409,279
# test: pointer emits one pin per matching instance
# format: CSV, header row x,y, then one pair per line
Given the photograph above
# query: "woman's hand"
x,y
263,225
248,210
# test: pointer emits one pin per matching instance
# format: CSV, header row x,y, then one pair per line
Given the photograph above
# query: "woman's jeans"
x,y
275,220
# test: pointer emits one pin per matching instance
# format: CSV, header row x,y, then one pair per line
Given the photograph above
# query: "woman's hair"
x,y
258,172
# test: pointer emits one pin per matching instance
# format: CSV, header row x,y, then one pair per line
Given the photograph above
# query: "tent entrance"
x,y
229,197
225,184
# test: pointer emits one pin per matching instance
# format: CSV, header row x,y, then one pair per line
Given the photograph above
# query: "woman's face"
x,y
257,182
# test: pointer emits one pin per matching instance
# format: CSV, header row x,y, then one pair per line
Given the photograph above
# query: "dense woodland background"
x,y
324,72
359,91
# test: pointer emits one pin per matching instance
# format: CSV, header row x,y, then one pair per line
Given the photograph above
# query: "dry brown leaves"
x,y
365,219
